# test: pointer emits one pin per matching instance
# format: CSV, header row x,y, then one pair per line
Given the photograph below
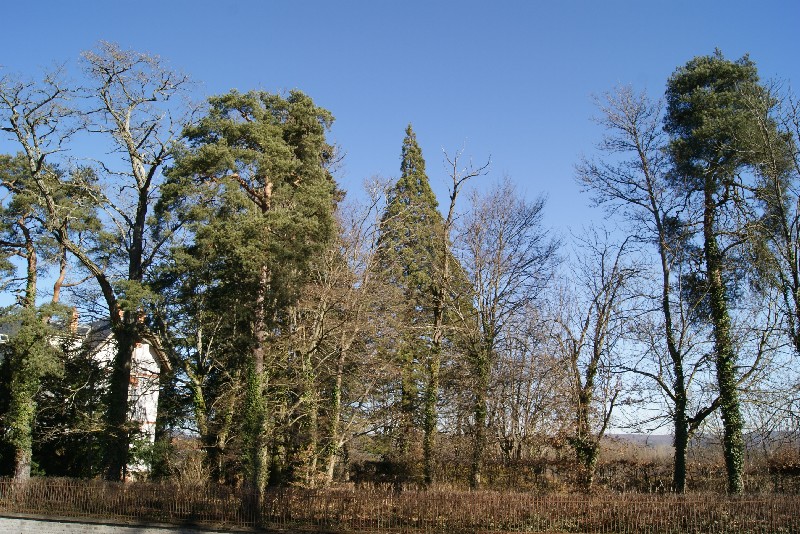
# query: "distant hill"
x,y
646,440
752,439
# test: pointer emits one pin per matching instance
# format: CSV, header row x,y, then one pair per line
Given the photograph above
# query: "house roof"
x,y
96,334
99,333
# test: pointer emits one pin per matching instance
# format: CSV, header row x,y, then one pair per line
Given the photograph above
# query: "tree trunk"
x,y
25,380
125,332
313,445
408,404
311,449
725,358
584,445
256,392
681,441
679,417
22,464
118,434
161,460
20,417
480,413
335,419
62,276
219,439
429,424
435,359
479,442
255,440
29,301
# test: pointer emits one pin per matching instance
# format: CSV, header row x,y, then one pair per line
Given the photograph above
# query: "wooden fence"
x,y
383,510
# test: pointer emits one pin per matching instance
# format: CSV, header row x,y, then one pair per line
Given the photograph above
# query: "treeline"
x,y
312,337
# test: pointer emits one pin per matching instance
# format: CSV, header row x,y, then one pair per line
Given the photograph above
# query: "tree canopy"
x,y
307,338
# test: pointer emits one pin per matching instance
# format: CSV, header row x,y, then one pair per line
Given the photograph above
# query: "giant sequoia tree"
x,y
410,259
261,163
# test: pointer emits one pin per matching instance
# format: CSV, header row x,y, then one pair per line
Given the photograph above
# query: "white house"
x,y
147,363
97,340
146,366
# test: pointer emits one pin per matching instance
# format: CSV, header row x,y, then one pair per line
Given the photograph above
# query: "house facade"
x,y
96,341
148,361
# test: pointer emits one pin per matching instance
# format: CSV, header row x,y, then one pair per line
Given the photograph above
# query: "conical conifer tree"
x,y
410,254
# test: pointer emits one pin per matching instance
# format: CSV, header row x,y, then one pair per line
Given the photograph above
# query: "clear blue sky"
x,y
508,79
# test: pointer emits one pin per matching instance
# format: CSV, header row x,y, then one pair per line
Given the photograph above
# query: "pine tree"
x,y
261,161
130,99
710,127
32,355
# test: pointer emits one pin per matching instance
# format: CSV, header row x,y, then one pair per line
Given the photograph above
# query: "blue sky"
x,y
510,79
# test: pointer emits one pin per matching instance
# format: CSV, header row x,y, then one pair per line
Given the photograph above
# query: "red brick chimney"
x,y
73,321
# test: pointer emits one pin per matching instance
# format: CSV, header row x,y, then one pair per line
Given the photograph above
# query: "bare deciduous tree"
x,y
509,257
594,316
632,180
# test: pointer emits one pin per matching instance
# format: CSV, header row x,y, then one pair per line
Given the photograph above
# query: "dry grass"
x,y
382,510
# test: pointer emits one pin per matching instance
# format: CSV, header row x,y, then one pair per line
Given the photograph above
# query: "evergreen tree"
x,y
261,161
710,128
31,352
130,104
409,259
30,356
68,434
